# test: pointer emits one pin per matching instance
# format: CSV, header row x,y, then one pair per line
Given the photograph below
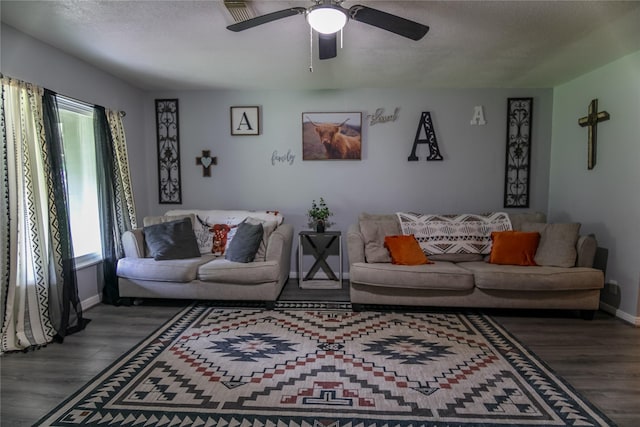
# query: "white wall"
x,y
605,199
28,59
470,179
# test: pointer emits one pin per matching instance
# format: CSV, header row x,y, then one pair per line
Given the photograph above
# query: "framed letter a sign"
x,y
245,120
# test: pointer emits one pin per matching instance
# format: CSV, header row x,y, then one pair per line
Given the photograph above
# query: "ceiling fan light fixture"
x,y
326,18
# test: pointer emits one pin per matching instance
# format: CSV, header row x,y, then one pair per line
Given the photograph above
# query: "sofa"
x,y
179,273
564,279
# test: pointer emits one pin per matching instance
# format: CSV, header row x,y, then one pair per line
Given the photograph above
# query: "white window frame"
x,y
75,106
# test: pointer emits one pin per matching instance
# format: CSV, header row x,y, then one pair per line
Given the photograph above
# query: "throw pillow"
x,y
268,227
513,247
172,240
205,234
220,238
245,244
153,220
374,231
405,250
557,246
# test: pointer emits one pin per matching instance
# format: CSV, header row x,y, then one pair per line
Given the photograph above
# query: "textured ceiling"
x,y
184,44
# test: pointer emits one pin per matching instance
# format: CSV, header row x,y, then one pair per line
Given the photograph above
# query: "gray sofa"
x,y
468,280
209,276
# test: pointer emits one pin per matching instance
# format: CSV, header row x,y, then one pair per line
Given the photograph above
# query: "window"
x,y
76,128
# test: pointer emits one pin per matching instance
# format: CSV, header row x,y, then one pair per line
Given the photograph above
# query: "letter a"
x,y
244,121
426,125
478,116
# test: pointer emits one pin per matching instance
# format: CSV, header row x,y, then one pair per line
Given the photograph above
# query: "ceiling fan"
x,y
328,17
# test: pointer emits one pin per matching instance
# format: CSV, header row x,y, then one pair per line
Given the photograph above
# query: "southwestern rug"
x,y
212,366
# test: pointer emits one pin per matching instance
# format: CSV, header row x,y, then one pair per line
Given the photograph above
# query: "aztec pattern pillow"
x,y
454,234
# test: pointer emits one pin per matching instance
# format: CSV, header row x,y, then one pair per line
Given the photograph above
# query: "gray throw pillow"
x,y
245,243
172,240
557,247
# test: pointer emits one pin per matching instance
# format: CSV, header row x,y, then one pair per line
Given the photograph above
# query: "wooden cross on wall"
x,y
206,161
591,121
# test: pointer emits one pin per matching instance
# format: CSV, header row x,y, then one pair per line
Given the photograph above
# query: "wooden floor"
x,y
600,358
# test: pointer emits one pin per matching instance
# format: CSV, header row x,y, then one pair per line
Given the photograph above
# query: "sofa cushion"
x,y
528,278
517,219
225,271
405,250
172,240
177,270
245,244
439,275
513,247
374,231
268,227
557,246
153,220
456,257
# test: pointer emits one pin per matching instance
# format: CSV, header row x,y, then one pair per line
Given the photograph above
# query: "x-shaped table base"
x,y
320,245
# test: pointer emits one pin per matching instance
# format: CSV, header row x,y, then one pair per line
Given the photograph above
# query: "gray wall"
x,y
30,60
470,179
605,199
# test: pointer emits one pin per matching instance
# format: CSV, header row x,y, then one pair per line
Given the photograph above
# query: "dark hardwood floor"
x,y
600,358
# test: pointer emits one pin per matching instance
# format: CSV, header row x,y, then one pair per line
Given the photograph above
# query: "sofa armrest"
x,y
133,243
586,249
279,249
355,244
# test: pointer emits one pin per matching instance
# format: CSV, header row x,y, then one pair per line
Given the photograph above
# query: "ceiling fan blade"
x,y
386,21
327,45
264,19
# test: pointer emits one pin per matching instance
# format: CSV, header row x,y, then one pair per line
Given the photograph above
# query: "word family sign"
x,y
282,158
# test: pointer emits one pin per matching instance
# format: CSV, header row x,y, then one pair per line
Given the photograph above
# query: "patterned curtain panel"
x,y
117,213
29,256
125,201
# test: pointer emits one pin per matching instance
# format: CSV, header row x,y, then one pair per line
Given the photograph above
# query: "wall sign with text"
x,y
245,120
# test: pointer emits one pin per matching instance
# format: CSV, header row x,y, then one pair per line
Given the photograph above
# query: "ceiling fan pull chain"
x,y
341,37
310,49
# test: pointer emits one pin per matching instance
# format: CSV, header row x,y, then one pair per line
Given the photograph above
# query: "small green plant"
x,y
319,212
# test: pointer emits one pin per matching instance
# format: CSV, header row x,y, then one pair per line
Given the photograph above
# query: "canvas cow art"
x,y
337,140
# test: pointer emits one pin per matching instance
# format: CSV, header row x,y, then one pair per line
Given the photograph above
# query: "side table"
x,y
320,246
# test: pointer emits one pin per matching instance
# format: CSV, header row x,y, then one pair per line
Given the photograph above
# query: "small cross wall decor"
x,y
206,161
591,122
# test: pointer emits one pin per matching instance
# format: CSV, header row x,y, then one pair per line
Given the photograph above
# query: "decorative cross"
x,y
591,121
206,161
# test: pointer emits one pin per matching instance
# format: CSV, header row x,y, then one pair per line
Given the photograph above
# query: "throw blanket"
x,y
454,234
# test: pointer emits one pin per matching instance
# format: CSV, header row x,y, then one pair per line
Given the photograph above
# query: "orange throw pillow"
x,y
405,250
514,247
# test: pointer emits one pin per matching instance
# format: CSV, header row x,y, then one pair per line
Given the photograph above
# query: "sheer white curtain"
x,y
28,261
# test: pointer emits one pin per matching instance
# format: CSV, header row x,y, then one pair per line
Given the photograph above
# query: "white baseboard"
x,y
90,302
634,320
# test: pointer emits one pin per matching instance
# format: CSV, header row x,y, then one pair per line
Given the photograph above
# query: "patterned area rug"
x,y
295,366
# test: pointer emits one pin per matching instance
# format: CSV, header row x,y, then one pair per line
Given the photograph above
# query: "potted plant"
x,y
318,215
